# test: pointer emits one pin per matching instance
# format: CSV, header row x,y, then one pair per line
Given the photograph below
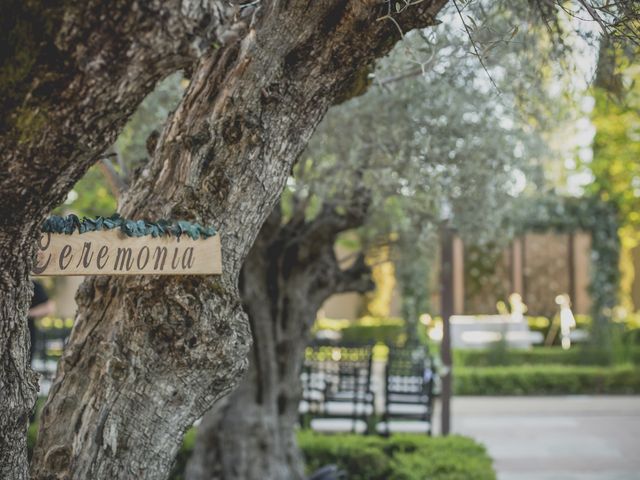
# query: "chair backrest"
x,y
341,367
345,373
409,372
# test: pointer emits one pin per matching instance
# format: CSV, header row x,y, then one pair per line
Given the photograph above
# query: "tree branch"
x,y
117,184
357,278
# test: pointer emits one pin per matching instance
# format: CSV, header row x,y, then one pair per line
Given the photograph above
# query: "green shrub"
x,y
390,334
582,355
633,336
34,425
543,324
535,356
539,324
369,329
180,465
32,437
546,380
400,457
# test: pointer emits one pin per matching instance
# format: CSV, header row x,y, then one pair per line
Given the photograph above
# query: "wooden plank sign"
x,y
111,252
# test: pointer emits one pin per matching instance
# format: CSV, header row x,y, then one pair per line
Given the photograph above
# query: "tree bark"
x,y
148,356
290,271
18,383
70,75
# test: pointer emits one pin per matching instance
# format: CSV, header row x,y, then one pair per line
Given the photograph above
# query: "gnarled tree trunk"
x,y
70,75
290,271
150,355
18,383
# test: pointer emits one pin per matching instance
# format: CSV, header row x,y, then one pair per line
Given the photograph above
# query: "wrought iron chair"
x,y
409,380
314,392
336,388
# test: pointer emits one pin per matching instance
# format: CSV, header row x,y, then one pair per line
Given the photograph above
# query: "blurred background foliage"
x,y
94,195
458,123
500,118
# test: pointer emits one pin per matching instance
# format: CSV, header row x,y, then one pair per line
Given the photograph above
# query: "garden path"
x,y
554,438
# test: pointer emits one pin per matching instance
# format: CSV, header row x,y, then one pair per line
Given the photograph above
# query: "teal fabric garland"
x,y
132,228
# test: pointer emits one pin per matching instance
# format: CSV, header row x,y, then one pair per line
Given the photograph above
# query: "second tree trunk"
x,y
290,271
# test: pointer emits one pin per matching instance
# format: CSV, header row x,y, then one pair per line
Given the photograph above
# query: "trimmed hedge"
x,y
543,324
180,465
399,457
369,329
542,356
546,380
390,334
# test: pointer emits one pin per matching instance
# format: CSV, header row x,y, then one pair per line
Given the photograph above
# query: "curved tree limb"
x,y
148,356
71,74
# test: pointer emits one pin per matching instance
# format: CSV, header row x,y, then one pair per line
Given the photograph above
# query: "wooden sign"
x,y
111,252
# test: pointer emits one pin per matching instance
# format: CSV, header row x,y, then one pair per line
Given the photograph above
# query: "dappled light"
x,y
262,240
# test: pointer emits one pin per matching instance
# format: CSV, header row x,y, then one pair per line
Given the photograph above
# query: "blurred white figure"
x,y
518,307
567,321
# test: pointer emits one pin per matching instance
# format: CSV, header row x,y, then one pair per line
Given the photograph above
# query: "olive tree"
x,y
262,75
388,166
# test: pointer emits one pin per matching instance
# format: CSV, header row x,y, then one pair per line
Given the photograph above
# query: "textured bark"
x,y
70,75
148,356
290,271
17,381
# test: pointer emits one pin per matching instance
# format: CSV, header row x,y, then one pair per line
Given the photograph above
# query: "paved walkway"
x,y
555,438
